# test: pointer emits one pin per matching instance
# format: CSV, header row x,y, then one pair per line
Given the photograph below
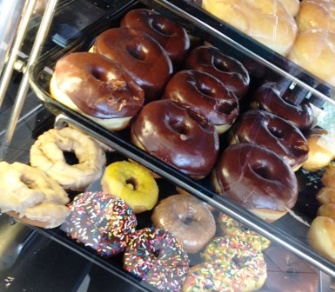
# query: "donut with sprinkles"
x,y
100,221
157,258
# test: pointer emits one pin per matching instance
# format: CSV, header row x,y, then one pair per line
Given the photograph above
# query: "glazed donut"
x,y
171,36
292,6
316,14
327,210
48,154
98,88
328,177
321,236
246,266
269,130
157,258
267,21
30,196
208,276
227,69
269,98
131,182
100,221
326,195
257,179
140,55
176,133
207,93
318,60
233,228
287,272
187,218
321,150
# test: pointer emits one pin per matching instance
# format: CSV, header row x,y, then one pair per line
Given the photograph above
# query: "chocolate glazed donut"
x,y
171,36
229,70
268,97
207,93
273,132
138,53
257,179
177,134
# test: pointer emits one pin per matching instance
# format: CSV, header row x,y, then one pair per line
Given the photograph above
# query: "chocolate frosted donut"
x,y
171,36
179,135
268,97
257,179
98,87
273,132
140,55
207,93
229,70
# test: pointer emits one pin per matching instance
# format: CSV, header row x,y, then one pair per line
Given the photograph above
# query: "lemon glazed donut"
x,y
131,182
48,154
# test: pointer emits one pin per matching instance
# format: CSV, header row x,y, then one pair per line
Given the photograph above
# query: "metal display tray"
x,y
288,231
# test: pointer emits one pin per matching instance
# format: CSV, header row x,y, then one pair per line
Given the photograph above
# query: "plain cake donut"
x,y
272,132
97,88
140,55
175,133
257,179
267,21
187,218
228,70
171,36
207,93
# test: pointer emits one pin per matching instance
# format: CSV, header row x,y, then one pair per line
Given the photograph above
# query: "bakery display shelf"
x,y
290,231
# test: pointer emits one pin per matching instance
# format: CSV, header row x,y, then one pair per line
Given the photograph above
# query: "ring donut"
x,y
48,154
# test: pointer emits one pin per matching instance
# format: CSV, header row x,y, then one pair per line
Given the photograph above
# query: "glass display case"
x,y
289,256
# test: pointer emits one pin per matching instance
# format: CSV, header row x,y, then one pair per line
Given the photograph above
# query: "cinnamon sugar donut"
x,y
228,70
140,55
187,218
48,154
207,93
171,36
257,179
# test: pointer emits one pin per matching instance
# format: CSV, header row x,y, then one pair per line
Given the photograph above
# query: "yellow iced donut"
x,y
131,182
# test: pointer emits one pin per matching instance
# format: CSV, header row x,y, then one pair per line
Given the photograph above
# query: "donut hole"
x,y
161,27
132,183
136,50
179,127
261,170
221,65
70,157
189,219
276,132
98,73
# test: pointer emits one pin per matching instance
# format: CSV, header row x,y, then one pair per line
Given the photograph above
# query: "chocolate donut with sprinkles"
x,y
100,221
157,258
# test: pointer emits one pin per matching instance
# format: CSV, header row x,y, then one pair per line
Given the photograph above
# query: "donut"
x,y
326,195
287,272
316,14
48,154
100,221
266,21
187,218
233,228
327,210
131,182
157,258
321,150
175,133
98,88
292,6
140,55
269,98
31,196
207,93
317,60
321,236
275,133
208,276
171,36
246,267
328,177
257,179
228,70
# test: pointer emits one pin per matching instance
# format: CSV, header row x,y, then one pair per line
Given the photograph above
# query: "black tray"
x,y
288,231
